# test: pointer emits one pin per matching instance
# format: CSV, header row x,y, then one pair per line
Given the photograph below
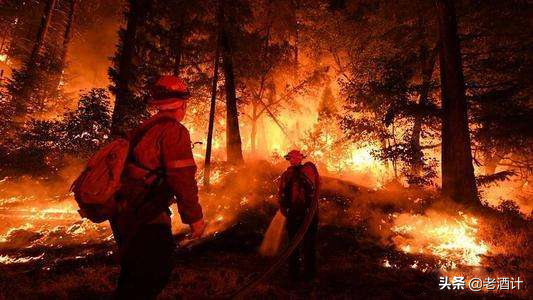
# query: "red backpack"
x,y
301,189
95,188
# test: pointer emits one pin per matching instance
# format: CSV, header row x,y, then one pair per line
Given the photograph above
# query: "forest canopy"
x,y
361,80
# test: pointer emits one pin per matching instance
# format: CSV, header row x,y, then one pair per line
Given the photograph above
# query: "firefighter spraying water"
x,y
276,234
298,191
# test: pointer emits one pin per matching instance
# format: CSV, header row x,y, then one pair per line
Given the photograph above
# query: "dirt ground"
x,y
350,266
350,257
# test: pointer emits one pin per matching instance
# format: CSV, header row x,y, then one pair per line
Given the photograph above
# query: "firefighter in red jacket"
x,y
299,189
163,152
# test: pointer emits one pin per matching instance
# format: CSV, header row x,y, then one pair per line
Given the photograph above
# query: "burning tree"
x,y
390,94
458,180
369,90
89,126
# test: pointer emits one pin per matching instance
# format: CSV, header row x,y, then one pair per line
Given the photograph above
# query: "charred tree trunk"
x,y
179,27
428,66
66,41
233,136
392,144
253,134
21,100
458,181
296,5
68,31
126,70
41,34
207,164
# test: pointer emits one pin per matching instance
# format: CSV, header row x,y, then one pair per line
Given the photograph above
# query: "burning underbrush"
x,y
390,232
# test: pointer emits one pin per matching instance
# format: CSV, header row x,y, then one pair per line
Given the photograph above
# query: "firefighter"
x,y
299,189
161,163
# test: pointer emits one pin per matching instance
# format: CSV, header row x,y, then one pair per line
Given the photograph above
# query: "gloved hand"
x,y
197,229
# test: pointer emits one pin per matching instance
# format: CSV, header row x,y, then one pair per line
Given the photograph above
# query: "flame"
x,y
49,221
453,239
7,260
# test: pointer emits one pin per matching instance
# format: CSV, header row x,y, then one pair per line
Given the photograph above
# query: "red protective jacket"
x,y
167,145
309,170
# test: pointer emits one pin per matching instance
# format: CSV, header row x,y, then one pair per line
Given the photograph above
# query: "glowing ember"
x,y
452,239
5,237
386,263
7,260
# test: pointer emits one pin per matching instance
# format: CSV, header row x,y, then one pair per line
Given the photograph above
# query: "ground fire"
x,y
286,149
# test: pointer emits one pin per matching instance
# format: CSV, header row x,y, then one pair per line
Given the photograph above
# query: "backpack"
x,y
95,188
300,190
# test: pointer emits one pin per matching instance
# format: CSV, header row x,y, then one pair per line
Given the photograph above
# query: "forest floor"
x,y
351,256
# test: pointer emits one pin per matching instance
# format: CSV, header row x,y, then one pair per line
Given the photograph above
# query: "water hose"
x,y
254,281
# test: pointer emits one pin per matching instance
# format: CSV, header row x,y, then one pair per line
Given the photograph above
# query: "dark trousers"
x,y
146,263
306,251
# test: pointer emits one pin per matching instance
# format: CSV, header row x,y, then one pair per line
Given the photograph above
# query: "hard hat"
x,y
294,153
168,92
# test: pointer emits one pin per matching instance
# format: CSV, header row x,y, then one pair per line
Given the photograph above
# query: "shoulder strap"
x,y
313,167
138,136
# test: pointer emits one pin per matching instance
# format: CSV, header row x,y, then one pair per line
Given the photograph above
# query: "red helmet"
x,y
294,153
168,90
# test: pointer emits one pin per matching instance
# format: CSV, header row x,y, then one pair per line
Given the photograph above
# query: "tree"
x,y
392,92
41,34
233,136
458,181
497,61
67,36
263,59
129,108
150,46
427,61
212,110
88,127
27,86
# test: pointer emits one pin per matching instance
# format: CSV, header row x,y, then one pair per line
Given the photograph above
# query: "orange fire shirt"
x,y
168,145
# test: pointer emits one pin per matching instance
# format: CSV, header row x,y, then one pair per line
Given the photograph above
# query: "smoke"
x,y
89,56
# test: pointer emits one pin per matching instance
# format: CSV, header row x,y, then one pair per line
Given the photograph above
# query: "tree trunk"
x,y
126,73
428,66
233,136
392,144
253,134
458,181
68,31
41,34
296,4
21,100
66,41
207,164
179,27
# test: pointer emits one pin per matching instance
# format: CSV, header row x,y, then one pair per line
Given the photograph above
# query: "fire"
x,y
7,260
453,239
43,221
358,161
3,57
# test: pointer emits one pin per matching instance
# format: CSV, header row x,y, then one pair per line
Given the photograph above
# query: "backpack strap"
x,y
136,139
298,176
